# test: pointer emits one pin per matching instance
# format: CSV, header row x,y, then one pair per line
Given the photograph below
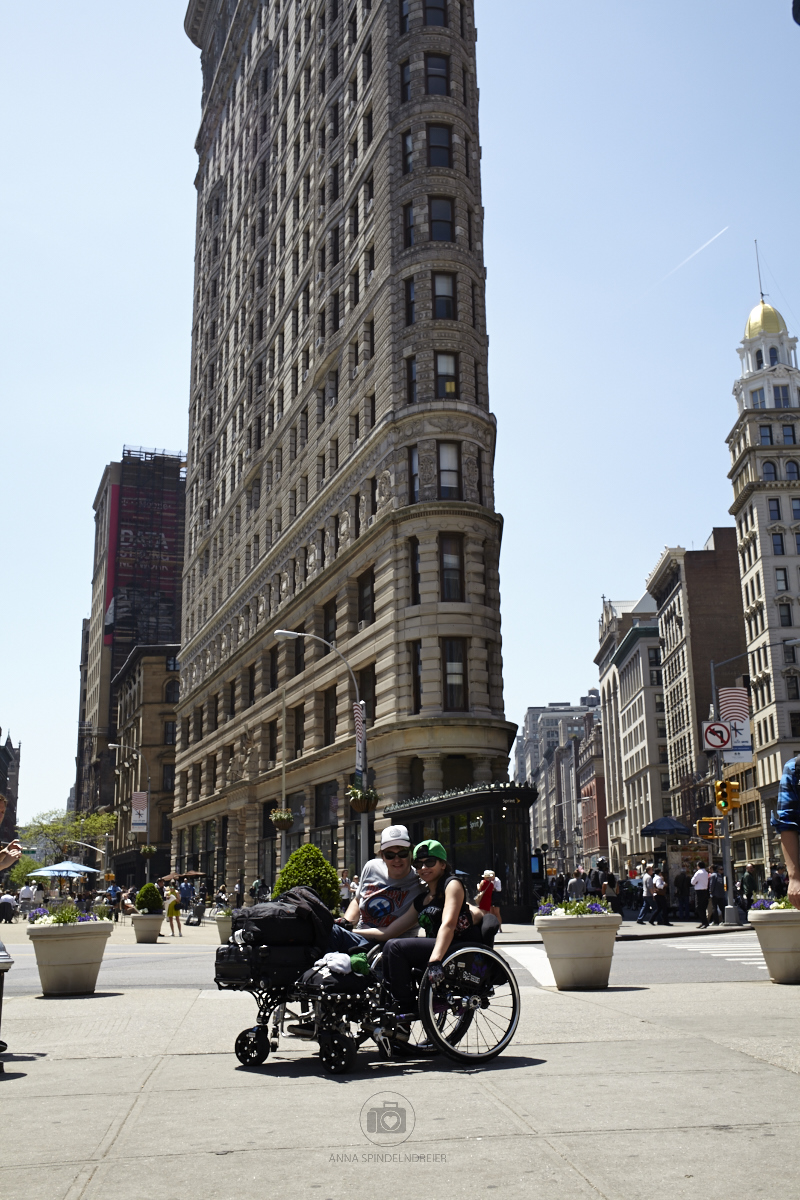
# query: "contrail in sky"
x,y
692,255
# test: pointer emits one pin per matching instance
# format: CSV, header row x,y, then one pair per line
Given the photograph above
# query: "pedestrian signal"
x,y
733,793
722,795
706,828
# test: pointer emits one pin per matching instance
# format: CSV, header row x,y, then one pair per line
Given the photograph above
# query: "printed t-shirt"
x,y
381,899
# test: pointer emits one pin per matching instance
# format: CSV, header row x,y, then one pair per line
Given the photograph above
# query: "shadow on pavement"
x,y
81,996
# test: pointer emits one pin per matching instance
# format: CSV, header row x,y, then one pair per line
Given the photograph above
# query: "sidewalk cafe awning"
x,y
666,827
62,869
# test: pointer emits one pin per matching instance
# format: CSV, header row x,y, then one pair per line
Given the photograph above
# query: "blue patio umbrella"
x,y
65,868
666,827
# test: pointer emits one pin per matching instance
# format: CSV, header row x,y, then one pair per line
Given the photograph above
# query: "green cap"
x,y
430,849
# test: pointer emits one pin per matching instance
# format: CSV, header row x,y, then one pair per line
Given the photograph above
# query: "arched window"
x,y
792,470
172,692
769,473
759,360
773,355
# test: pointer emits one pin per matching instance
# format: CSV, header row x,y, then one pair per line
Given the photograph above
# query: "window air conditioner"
x,y
319,342
371,520
270,764
369,206
362,625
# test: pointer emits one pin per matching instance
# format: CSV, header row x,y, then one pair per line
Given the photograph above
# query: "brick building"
x,y
700,619
341,444
147,691
592,784
136,598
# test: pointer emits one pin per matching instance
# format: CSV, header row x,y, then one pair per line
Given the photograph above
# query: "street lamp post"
x,y
139,754
731,911
285,635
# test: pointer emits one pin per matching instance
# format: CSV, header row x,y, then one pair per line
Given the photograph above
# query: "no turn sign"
x,y
716,735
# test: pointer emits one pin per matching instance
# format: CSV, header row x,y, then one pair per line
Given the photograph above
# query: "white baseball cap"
x,y
395,835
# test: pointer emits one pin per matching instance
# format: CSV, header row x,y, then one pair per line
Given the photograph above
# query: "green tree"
x,y
58,833
308,866
18,875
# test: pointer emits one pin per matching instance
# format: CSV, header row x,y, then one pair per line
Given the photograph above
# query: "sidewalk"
x,y
138,1094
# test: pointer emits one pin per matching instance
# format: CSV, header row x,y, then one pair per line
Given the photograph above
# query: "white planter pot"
x,y
579,948
68,957
224,927
778,932
147,926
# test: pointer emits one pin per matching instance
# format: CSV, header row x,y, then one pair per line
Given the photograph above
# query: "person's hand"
x,y
435,973
343,921
794,891
11,855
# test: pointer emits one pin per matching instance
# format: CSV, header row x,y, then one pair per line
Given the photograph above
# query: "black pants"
x,y
401,955
701,907
718,909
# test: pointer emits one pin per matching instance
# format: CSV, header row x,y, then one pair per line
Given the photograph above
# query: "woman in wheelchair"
x,y
446,918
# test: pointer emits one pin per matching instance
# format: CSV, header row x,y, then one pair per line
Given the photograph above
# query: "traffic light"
x,y
722,795
706,828
733,793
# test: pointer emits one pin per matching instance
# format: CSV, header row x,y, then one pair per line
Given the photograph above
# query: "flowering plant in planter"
x,y
282,818
362,799
587,906
36,914
68,914
764,902
148,851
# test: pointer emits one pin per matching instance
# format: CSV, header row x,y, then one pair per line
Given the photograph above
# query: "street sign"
x,y
139,812
716,736
741,747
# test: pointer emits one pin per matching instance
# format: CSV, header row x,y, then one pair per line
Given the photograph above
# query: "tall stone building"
x,y
10,756
341,445
764,446
136,598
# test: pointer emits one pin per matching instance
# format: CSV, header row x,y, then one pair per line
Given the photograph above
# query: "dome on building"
x,y
764,319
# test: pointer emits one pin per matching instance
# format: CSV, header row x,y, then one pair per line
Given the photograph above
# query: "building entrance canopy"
x,y
481,828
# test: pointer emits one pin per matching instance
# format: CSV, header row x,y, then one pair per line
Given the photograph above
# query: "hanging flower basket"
x,y
282,818
148,851
362,800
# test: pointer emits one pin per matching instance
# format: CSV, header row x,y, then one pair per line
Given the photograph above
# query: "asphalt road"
x,y
732,958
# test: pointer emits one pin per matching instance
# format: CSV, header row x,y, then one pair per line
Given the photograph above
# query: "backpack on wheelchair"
x,y
470,1016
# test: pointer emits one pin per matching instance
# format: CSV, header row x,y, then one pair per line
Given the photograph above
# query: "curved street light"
x,y
291,635
139,754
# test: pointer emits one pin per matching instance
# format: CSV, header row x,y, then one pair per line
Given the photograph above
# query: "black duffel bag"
x,y
295,918
281,966
233,967
325,982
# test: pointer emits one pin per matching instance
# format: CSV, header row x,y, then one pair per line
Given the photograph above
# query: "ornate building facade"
x,y
764,446
340,478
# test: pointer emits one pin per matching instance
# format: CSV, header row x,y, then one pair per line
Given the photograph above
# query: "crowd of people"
x,y
697,894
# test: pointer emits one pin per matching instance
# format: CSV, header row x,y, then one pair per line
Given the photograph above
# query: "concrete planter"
x,y
224,927
147,926
778,932
68,957
579,948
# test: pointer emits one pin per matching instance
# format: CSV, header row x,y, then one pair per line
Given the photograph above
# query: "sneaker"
x,y
638,922
301,1029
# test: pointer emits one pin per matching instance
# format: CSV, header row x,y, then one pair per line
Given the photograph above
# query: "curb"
x,y
650,937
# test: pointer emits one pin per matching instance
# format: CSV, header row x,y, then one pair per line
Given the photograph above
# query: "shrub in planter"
x,y
308,867
578,937
150,900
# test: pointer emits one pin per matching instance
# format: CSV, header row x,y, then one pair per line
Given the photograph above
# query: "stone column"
x,y
252,831
432,777
482,770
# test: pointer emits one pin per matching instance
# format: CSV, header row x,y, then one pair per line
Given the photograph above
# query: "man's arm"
x,y
790,844
11,855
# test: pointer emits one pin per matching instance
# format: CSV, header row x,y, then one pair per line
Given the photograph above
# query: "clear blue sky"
x,y
617,138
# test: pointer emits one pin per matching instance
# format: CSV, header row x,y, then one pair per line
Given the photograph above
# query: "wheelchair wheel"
x,y
338,1053
252,1046
473,1015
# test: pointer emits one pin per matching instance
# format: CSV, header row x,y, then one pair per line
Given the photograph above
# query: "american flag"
x,y
734,704
358,717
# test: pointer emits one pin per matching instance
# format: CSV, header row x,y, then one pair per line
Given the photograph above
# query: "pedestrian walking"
x,y
25,899
749,885
485,891
662,899
344,891
716,894
185,890
8,906
699,882
172,910
559,886
611,892
114,893
648,896
497,889
576,888
776,882
682,887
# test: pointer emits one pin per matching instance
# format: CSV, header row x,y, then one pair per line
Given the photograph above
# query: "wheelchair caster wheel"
x,y
252,1046
273,1045
338,1053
